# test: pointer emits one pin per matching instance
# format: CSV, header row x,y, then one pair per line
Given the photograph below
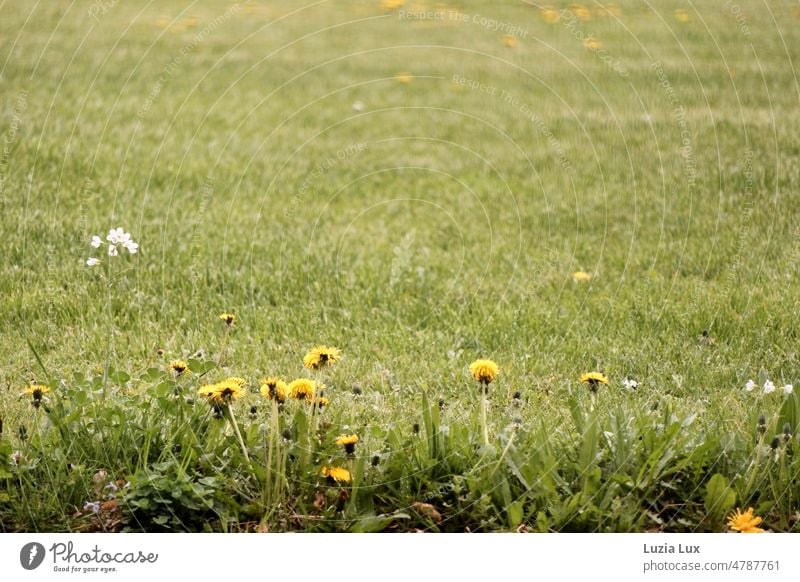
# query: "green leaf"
x,y
119,377
790,412
201,366
376,523
152,374
719,498
515,513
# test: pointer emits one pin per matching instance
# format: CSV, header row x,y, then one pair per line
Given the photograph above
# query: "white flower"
x,y
769,387
788,389
750,386
92,262
113,235
358,106
96,241
132,247
630,383
117,236
112,251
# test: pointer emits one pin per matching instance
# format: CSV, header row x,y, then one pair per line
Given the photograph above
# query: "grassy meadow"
x,y
416,184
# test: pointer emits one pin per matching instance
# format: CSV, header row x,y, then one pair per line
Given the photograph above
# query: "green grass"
x,y
440,224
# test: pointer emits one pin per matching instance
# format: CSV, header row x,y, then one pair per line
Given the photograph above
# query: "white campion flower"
x,y
769,387
131,246
750,386
92,262
112,251
96,241
788,389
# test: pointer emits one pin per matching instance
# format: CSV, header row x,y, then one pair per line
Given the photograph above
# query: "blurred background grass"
x,y
270,162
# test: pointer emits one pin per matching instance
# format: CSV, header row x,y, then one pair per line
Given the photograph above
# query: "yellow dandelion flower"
x,y
241,382
745,522
321,402
321,356
302,389
594,379
592,43
390,5
510,41
336,474
550,15
36,392
681,15
348,441
579,10
223,392
228,318
179,368
484,371
581,276
405,78
274,389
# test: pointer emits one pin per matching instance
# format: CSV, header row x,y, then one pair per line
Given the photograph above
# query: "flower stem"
x,y
483,416
235,424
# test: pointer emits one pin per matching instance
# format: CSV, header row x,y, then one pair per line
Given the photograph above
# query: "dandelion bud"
x,y
776,441
356,390
787,431
286,434
253,411
23,433
415,428
441,404
762,425
375,460
517,395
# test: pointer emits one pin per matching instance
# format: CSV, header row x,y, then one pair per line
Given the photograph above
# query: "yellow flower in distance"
x,y
594,379
484,371
302,389
321,402
592,43
549,14
336,474
321,356
179,367
405,78
579,10
745,522
348,441
510,41
274,389
681,15
36,392
390,5
581,276
228,318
